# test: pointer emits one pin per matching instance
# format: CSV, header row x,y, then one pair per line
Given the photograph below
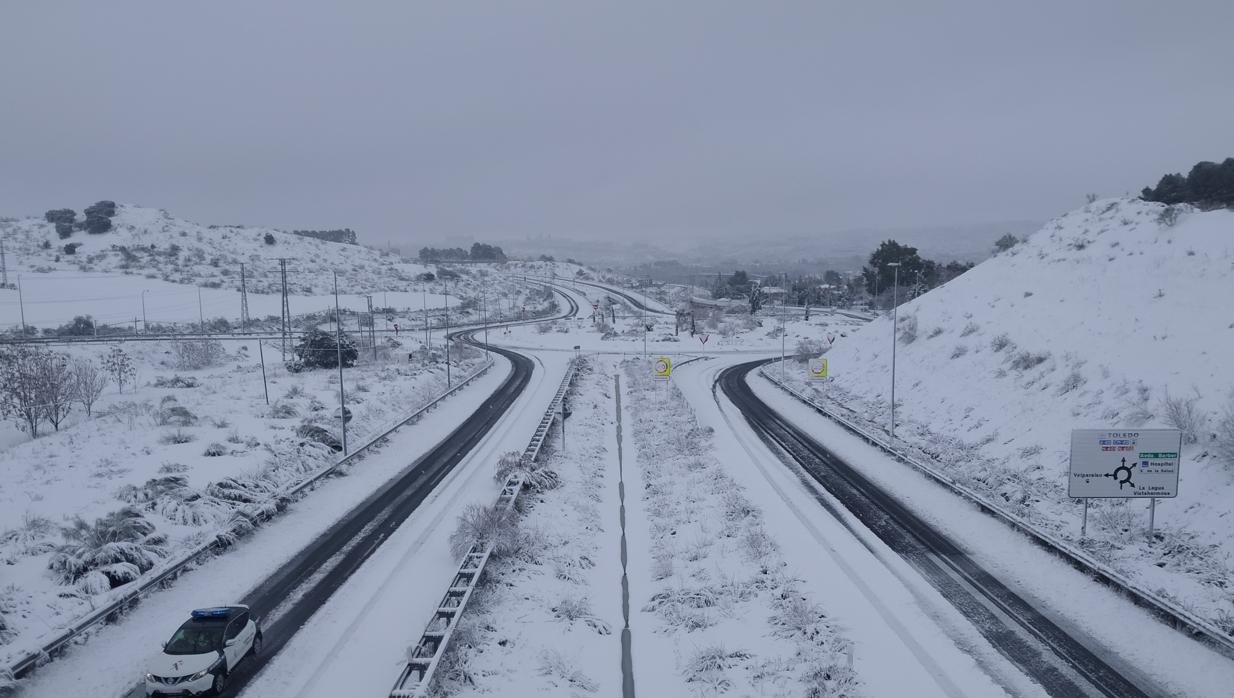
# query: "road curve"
x,y
1061,664
316,572
634,302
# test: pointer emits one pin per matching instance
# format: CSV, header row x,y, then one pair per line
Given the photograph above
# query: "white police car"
x,y
203,651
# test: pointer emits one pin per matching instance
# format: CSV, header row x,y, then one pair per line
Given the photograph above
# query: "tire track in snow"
x,y
627,659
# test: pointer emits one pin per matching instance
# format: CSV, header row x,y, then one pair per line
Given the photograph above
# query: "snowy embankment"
x,y
182,456
547,616
1112,316
151,267
719,609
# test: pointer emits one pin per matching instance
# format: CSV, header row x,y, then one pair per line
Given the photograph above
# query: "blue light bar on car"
x,y
219,612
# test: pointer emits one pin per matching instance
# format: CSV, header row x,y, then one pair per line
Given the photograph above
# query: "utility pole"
x,y
338,344
201,315
446,337
894,317
21,303
427,336
264,385
244,301
4,269
484,310
285,322
783,326
372,326
145,326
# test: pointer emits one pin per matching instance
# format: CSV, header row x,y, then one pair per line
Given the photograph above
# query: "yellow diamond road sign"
x,y
818,367
662,368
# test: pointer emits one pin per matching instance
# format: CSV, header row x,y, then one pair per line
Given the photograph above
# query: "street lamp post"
x,y
895,288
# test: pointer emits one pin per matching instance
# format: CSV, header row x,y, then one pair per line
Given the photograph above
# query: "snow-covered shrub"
x,y
6,634
294,392
572,608
215,450
171,413
1223,437
283,410
192,355
1224,620
176,381
960,350
1072,382
30,536
154,488
808,347
709,665
554,663
1181,549
908,329
970,328
319,435
934,333
178,436
1115,517
1183,415
114,550
1026,360
536,475
1001,342
758,545
170,468
480,525
829,681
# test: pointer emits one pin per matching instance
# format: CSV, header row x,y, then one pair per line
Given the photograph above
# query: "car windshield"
x,y
196,638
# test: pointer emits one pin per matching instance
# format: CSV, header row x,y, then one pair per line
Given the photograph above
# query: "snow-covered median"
x,y
721,609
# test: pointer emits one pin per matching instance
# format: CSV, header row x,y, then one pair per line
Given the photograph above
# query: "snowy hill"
x,y
153,243
1110,316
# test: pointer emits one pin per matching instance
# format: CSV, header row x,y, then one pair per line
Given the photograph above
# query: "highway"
x,y
1027,637
302,586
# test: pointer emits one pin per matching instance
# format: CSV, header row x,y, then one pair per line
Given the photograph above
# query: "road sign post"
x,y
818,368
1124,464
662,368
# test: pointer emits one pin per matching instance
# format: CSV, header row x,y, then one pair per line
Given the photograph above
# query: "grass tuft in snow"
x,y
482,524
1183,415
554,664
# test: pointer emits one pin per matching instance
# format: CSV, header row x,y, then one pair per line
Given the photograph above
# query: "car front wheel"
x,y
256,649
220,683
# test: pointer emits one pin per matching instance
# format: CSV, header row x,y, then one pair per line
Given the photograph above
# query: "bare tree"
x,y
120,366
19,389
89,381
56,386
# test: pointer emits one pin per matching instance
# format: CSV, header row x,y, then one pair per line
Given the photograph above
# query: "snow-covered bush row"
x,y
541,618
721,585
1106,317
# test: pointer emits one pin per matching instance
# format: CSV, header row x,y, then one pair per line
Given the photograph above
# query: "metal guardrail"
x,y
1177,616
155,578
425,656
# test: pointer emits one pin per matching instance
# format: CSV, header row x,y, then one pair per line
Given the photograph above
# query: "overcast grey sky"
x,y
419,121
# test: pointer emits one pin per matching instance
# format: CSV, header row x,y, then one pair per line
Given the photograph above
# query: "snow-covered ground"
x,y
112,661
169,260
186,448
1109,317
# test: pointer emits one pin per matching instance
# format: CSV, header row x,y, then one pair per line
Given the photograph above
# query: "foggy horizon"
x,y
697,122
